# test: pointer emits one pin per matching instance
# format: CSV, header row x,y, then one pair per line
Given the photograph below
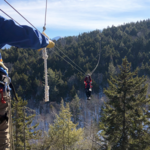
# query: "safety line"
x,y
40,32
67,62
9,16
70,59
22,16
44,28
98,60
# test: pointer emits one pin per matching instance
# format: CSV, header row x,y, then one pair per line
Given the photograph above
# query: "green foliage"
x,y
75,108
73,91
57,85
124,117
63,133
22,120
27,71
111,69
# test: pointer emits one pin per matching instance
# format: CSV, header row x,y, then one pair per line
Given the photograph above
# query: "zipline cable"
x,y
67,62
9,16
81,70
22,15
98,61
43,29
70,59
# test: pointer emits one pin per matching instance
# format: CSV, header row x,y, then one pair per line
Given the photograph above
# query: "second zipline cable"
x,y
40,32
68,62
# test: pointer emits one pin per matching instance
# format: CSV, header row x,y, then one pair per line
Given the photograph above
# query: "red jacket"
x,y
88,81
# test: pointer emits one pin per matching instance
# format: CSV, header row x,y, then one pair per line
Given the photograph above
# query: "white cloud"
x,y
76,14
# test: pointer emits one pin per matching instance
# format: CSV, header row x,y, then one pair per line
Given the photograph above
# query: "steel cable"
x,y
9,16
44,27
70,60
41,33
22,16
98,61
67,62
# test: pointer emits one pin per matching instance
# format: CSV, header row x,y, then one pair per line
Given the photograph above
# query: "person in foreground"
x,y
22,36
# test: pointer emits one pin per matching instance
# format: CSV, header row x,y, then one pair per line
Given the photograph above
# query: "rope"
x,y
44,28
70,60
22,16
9,16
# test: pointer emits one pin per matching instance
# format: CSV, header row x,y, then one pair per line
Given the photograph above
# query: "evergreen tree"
x,y
75,108
111,69
63,133
124,117
22,119
72,92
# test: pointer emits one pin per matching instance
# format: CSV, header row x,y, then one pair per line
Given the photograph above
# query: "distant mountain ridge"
x,y
6,46
56,38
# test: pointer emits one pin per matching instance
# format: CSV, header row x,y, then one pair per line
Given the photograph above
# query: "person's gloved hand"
x,y
50,45
2,65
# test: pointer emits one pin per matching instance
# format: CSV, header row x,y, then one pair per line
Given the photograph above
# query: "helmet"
x,y
88,74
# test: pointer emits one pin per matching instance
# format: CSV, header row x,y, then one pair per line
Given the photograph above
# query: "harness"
x,y
5,86
88,85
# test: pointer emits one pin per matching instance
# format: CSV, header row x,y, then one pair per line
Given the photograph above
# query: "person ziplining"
x,y
88,86
88,79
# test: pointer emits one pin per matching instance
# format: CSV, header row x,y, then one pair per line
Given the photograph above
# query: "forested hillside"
x,y
26,66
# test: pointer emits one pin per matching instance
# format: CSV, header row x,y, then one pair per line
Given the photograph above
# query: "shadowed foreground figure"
x,y
20,36
3,117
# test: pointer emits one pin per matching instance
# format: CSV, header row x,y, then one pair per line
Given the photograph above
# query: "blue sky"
x,y
72,17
